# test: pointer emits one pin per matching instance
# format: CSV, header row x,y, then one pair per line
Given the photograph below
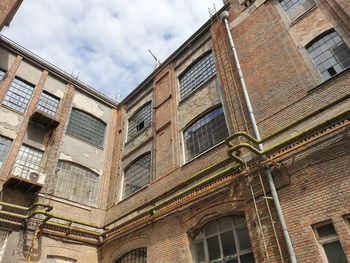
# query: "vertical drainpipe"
x,y
224,15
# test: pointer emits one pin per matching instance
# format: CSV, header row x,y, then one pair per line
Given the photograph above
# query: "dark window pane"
x,y
228,243
247,258
140,120
243,238
200,252
210,228
135,256
213,248
334,252
326,230
225,223
231,260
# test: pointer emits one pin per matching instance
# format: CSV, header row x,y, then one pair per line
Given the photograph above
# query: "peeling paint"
x,y
87,155
9,118
66,157
99,172
88,105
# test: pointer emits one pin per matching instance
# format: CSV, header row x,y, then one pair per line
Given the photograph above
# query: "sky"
x,y
106,42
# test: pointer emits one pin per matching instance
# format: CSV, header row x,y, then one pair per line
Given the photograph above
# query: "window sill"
x,y
13,110
134,193
196,89
203,153
345,71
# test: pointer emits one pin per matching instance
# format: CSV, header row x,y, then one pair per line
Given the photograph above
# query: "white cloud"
x,y
106,41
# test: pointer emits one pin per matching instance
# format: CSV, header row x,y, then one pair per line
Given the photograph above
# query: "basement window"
x,y
5,145
137,175
205,133
329,241
196,74
18,95
330,54
138,255
48,104
224,240
75,182
141,120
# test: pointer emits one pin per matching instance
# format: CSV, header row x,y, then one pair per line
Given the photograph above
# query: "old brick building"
x,y
170,174
7,10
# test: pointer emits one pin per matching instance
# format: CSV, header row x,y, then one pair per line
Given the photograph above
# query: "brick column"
x,y
53,147
7,10
23,129
10,74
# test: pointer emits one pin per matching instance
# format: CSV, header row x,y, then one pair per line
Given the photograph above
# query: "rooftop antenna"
x,y
155,58
72,76
212,11
117,97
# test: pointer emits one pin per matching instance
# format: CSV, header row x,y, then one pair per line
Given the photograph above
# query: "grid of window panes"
x,y
76,183
4,237
138,255
86,127
137,175
2,74
329,240
224,240
142,119
330,55
5,145
197,74
48,104
289,5
205,133
18,95
28,160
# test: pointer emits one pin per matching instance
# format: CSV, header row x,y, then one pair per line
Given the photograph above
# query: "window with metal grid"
x,y
205,133
48,103
224,240
18,95
75,182
293,6
2,74
198,73
329,241
141,120
137,174
138,255
86,127
28,160
330,54
4,236
5,145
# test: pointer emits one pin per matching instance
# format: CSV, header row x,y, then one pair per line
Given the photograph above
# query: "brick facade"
x,y
7,10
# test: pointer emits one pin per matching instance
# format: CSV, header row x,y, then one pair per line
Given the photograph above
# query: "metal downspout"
x,y
224,15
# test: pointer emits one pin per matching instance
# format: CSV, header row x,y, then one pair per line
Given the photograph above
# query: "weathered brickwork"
x,y
7,10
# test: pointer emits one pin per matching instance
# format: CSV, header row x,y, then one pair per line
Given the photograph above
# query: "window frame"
x,y
191,66
82,138
119,259
45,109
25,168
134,115
5,156
128,166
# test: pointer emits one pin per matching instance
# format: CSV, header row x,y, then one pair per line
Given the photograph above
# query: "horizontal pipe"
x,y
23,208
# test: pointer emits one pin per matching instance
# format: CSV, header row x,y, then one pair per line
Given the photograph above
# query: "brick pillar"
x,y
108,160
10,74
53,147
23,129
7,10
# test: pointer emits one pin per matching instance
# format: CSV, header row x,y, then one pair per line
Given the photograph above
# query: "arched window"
x,y
330,54
137,174
138,255
204,133
198,73
75,182
224,240
141,120
86,127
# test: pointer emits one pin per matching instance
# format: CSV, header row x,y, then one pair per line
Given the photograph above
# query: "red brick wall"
x,y
7,10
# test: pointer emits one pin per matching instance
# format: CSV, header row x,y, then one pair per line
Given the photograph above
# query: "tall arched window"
x,y
140,121
204,133
137,174
330,54
224,240
75,182
138,255
196,74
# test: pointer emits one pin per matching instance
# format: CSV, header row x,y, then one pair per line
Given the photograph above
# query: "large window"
x,y
18,95
295,8
86,127
76,183
28,160
138,255
329,241
4,237
205,133
197,74
224,240
5,145
2,74
48,103
140,120
137,174
330,54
